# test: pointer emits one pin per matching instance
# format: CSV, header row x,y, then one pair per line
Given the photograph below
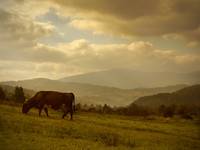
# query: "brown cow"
x,y
56,100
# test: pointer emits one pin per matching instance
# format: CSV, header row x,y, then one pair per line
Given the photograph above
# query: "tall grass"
x,y
93,131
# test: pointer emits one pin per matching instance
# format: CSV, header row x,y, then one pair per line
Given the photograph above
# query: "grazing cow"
x,y
56,100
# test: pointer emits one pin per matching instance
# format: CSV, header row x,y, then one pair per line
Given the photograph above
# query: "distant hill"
x,y
92,94
186,96
128,79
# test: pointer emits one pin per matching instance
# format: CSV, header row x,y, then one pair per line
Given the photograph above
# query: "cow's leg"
x,y
64,115
41,106
71,114
64,108
46,111
40,110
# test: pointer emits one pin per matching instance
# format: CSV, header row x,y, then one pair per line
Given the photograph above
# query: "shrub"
x,y
2,94
186,116
167,111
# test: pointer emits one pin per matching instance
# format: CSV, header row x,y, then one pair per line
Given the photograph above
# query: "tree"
x,y
107,109
19,94
162,109
78,107
167,111
2,94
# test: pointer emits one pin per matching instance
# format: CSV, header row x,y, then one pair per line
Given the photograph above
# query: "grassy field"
x,y
94,131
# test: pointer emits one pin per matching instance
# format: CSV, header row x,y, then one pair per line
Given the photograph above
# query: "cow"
x,y
56,100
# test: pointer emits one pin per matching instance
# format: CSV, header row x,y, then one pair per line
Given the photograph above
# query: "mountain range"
x,y
129,79
92,94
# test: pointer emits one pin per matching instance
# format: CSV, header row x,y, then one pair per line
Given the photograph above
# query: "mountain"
x,y
186,96
92,94
129,79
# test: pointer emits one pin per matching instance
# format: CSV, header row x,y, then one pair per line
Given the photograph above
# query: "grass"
x,y
94,131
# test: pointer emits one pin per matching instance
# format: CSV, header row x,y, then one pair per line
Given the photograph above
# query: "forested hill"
x,y
186,96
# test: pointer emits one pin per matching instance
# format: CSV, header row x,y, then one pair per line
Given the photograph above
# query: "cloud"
x,y
19,39
39,53
176,19
16,29
44,53
81,56
134,18
90,25
20,70
140,55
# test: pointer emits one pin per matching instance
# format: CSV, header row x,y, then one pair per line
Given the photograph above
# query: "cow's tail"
x,y
73,103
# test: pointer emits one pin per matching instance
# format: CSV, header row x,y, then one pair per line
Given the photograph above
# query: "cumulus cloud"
x,y
19,39
136,18
16,29
140,55
177,19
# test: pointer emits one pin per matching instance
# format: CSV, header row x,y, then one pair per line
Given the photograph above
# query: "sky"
x,y
59,38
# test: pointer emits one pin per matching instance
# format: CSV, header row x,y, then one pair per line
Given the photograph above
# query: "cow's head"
x,y
26,106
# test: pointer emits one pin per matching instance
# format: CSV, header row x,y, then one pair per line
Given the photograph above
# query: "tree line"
x,y
18,95
183,111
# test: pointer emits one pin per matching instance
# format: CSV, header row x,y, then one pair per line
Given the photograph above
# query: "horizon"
x,y
114,69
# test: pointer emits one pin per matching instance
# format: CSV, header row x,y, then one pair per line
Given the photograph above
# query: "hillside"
x,y
93,132
186,96
92,94
128,79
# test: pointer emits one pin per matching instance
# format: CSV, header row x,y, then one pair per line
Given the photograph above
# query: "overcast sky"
x,y
58,38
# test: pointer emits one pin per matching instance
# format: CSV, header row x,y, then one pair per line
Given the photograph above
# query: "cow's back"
x,y
53,98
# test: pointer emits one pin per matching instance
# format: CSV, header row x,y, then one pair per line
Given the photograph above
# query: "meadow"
x,y
94,131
